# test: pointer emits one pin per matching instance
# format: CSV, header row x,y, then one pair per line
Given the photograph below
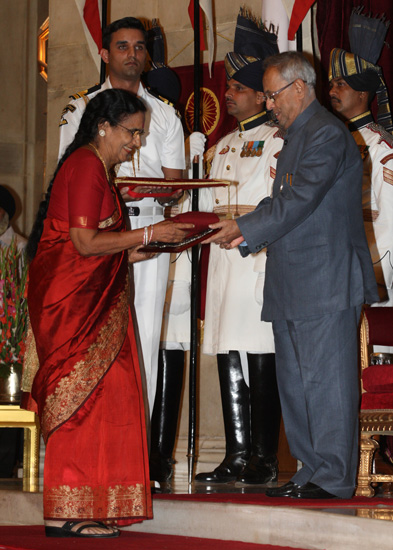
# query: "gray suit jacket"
x,y
318,259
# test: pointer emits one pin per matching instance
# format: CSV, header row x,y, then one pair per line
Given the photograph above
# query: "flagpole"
x,y
104,8
299,38
192,420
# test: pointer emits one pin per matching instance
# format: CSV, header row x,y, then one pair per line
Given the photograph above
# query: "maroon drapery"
x,y
332,23
215,121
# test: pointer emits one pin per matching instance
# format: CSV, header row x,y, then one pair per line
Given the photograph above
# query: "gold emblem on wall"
x,y
210,109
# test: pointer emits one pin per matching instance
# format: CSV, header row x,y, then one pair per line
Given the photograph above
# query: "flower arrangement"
x,y
13,308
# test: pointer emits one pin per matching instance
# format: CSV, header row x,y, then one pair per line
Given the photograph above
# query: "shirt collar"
x,y
141,89
253,121
360,121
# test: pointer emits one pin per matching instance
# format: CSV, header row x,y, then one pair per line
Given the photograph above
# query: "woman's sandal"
x,y
66,530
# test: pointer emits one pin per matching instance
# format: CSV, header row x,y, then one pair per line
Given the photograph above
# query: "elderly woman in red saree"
x,y
87,387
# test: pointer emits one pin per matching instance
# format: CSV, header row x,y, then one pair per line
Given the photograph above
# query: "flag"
x,y
91,15
207,7
299,12
191,14
275,16
93,12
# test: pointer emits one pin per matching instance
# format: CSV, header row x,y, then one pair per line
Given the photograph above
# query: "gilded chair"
x,y
376,412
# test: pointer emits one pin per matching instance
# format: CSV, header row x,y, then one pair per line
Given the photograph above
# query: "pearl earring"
x,y
102,133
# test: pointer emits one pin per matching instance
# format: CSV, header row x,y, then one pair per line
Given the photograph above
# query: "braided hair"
x,y
110,106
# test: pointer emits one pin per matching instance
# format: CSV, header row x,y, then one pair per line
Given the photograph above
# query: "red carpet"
x,y
33,538
261,499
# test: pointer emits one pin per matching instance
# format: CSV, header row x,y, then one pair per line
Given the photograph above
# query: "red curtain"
x,y
332,23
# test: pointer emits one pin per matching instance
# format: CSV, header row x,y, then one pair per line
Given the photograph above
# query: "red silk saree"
x,y
87,388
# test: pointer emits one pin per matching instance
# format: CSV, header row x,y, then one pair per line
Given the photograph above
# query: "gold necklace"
x,y
101,159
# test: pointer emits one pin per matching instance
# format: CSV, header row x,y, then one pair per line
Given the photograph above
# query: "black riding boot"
x,y
265,420
235,399
166,413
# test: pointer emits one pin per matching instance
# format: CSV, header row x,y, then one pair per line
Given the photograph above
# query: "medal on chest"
x,y
252,149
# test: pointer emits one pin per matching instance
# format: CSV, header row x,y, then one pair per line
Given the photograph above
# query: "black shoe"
x,y
283,491
258,471
161,469
310,490
229,469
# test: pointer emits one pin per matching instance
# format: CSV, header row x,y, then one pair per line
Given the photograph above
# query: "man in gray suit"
x,y
318,275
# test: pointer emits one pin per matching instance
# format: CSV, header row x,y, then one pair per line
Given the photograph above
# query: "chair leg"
x,y
368,446
31,458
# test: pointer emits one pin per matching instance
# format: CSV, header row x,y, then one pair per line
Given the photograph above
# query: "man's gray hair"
x,y
292,65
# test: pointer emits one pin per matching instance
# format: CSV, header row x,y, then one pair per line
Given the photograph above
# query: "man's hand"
x,y
229,235
195,145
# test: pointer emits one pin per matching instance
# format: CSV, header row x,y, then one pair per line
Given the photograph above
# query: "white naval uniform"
x,y
163,146
233,316
376,147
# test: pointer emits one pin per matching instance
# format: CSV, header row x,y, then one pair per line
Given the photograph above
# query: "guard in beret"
x,y
244,345
355,79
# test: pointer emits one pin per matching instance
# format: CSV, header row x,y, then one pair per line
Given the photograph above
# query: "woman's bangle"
x,y
145,236
151,234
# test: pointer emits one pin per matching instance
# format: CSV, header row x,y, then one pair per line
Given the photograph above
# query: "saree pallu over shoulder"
x,y
88,298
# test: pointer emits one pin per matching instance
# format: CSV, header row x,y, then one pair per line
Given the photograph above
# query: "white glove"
x,y
178,298
258,294
196,142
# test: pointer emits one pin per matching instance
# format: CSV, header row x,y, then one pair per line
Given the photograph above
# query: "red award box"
x,y
194,236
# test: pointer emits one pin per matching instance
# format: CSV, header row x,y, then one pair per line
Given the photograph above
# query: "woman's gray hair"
x,y
292,65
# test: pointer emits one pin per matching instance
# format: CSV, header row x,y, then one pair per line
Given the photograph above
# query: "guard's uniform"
x,y
163,146
247,157
376,147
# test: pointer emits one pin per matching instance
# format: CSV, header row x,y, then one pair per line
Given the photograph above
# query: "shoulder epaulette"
x,y
384,134
84,93
80,95
164,100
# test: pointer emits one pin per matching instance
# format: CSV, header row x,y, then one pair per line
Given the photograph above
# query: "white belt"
x,y
145,210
